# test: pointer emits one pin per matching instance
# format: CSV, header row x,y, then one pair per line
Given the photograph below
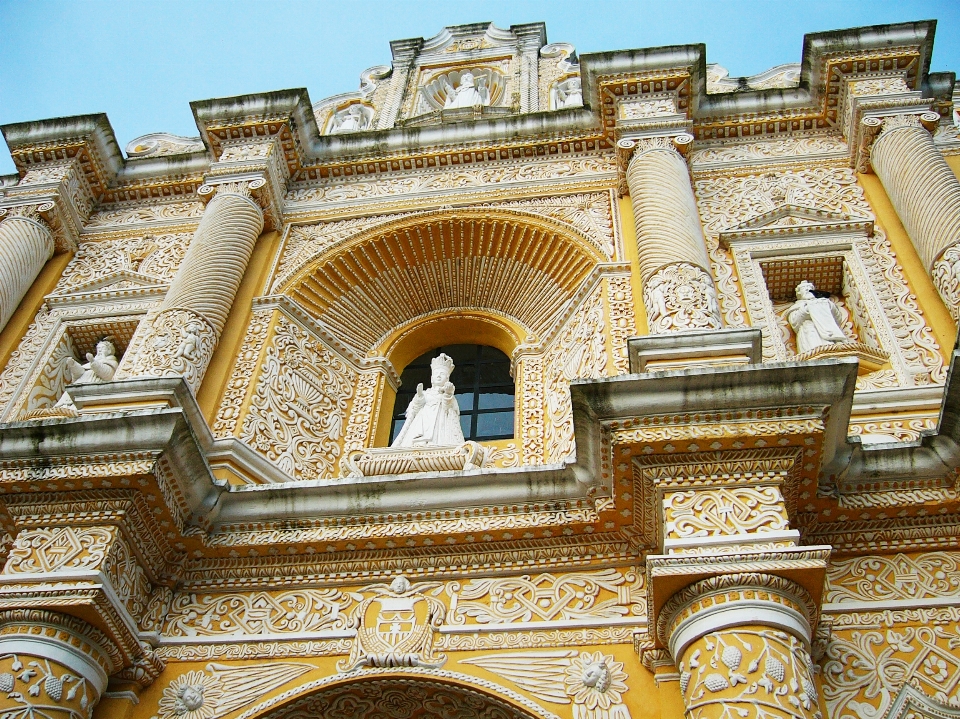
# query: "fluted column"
x,y
25,246
926,195
179,339
742,645
678,289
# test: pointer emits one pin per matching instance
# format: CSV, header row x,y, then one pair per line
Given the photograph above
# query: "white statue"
x,y
471,92
98,368
433,416
190,342
351,119
816,320
569,94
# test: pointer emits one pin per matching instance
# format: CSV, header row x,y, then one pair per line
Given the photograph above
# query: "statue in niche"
x,y
99,367
433,416
568,94
470,92
350,119
816,320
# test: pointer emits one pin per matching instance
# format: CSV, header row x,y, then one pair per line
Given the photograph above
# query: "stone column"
x,y
179,339
25,246
678,289
925,193
742,645
51,664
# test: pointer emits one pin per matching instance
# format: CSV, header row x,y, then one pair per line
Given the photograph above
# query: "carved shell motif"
x,y
435,90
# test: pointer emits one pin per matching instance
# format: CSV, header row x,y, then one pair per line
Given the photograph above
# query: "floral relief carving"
x,y
717,512
357,434
772,150
220,689
681,297
460,178
228,416
946,276
178,343
726,202
606,594
579,352
934,575
766,674
157,256
593,682
590,213
128,578
42,689
622,320
174,211
864,669
304,610
48,550
297,412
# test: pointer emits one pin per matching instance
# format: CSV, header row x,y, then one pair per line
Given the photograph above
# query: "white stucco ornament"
x,y
816,320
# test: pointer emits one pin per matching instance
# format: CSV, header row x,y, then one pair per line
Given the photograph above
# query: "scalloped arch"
x,y
520,267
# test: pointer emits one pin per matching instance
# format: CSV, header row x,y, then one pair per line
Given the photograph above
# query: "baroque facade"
x,y
726,310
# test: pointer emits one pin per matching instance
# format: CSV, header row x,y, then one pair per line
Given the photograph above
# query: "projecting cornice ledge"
x,y
847,467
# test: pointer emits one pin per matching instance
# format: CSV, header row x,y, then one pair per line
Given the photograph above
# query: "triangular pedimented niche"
x,y
118,281
788,219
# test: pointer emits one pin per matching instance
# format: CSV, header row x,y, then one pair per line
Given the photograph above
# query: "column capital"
x,y
630,148
50,213
874,125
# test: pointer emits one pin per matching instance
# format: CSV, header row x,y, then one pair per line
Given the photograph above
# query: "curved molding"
x,y
278,707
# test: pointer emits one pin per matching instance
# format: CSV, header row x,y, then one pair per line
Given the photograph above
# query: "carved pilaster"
x,y
179,339
404,53
678,289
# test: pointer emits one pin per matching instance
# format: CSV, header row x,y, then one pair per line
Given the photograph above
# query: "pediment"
x,y
118,281
789,219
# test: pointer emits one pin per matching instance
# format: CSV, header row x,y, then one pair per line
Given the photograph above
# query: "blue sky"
x,y
143,62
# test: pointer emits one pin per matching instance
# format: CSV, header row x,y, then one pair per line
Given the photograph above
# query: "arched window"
x,y
484,390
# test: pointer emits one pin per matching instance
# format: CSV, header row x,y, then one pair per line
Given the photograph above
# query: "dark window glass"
x,y
485,390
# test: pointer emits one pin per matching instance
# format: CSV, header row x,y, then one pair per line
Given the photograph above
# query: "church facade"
x,y
512,384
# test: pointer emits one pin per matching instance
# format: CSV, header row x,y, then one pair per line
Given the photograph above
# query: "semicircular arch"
x,y
409,693
522,268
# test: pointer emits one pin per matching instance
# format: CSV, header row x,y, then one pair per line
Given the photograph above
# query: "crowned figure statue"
x,y
816,320
433,416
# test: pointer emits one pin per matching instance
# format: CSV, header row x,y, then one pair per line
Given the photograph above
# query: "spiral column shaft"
x,y
25,246
674,266
926,195
180,338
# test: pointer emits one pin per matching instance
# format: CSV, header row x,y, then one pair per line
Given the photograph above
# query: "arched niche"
x,y
404,694
427,333
520,269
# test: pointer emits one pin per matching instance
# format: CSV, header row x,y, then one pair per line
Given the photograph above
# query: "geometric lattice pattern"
x,y
783,276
